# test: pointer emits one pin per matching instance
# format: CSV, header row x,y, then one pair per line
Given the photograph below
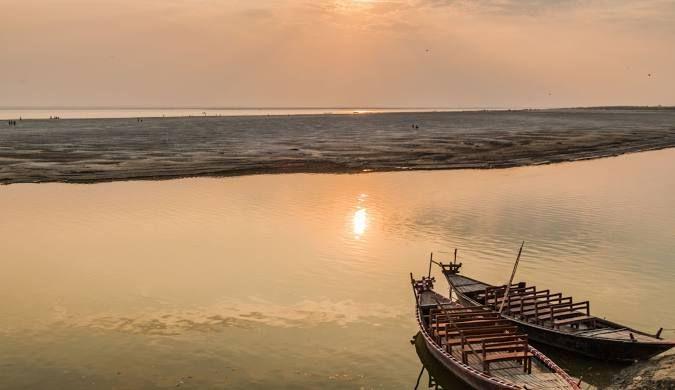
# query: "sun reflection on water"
x,y
360,222
360,217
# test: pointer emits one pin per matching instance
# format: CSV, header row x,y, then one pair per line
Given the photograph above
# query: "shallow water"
x,y
301,281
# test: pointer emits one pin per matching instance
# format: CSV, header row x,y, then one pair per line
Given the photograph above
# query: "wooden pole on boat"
x,y
412,282
454,261
508,286
431,260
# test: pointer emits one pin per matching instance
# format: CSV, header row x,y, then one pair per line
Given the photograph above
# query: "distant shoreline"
x,y
15,111
104,150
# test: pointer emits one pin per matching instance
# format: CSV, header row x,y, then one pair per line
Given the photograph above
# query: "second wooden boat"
x,y
556,320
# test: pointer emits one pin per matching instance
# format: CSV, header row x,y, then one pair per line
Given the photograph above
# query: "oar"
x,y
508,286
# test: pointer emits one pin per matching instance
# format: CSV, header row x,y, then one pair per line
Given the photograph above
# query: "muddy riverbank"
x,y
96,150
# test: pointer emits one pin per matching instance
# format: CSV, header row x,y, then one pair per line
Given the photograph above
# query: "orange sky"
x,y
440,53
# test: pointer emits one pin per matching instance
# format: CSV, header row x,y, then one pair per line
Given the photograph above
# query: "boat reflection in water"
x,y
437,376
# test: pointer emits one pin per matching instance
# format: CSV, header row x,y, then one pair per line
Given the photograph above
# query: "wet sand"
x,y
96,150
656,373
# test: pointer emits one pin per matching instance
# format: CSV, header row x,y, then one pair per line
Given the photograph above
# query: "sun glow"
x,y
353,5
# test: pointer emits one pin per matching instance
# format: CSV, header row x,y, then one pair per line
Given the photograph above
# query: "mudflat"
x,y
95,150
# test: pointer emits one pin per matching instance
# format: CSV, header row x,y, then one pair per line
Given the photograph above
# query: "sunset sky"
x,y
314,53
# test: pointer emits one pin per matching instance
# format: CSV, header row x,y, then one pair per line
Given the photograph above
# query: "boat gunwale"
x,y
481,375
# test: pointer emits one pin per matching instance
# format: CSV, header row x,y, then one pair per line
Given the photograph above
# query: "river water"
x,y
301,281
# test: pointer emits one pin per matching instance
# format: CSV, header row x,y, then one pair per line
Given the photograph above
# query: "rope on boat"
x,y
551,364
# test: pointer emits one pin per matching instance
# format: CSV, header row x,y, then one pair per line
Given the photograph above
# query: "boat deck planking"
x,y
539,378
614,334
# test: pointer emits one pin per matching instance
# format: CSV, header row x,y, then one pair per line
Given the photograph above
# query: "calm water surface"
x,y
301,281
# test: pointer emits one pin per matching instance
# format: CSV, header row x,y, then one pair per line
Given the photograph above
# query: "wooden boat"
x,y
557,320
480,348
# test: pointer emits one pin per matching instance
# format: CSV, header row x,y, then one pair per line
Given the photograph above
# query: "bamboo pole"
x,y
508,286
431,260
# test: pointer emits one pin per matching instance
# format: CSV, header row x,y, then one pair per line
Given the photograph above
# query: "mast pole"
x,y
431,260
508,286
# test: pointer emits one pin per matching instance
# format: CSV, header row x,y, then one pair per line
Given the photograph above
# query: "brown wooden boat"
x,y
481,348
553,319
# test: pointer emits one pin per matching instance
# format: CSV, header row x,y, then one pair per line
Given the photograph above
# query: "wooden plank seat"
x,y
538,304
502,289
480,323
494,343
519,302
436,321
497,350
464,316
529,304
458,319
505,356
467,322
485,311
564,309
450,330
452,308
475,331
455,333
478,338
459,341
495,297
514,347
457,313
537,309
524,296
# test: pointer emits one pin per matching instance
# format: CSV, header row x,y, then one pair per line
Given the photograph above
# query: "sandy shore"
x,y
656,373
95,150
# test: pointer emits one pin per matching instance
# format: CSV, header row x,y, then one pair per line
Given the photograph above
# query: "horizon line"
x,y
365,107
